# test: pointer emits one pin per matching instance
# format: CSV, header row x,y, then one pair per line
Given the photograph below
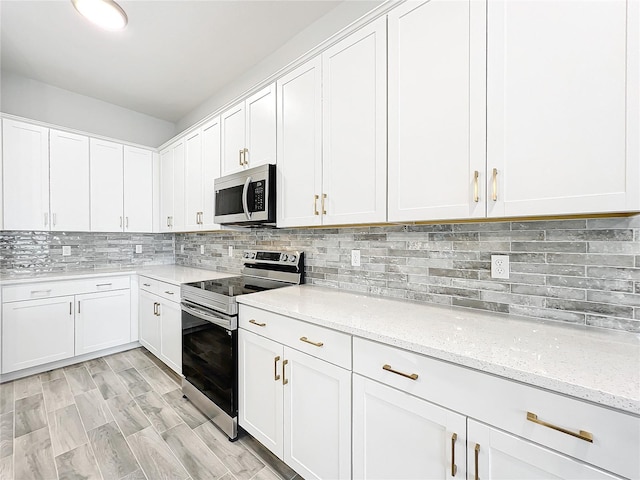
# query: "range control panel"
x,y
271,257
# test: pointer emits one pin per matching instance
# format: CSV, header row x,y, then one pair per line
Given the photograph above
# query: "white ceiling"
x,y
170,58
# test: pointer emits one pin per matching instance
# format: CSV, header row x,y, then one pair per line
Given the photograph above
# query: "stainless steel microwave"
x,y
247,197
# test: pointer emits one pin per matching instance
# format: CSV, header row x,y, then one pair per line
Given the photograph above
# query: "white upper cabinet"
x,y
299,169
437,110
69,181
210,132
354,154
172,188
25,176
562,107
249,132
138,190
194,180
106,186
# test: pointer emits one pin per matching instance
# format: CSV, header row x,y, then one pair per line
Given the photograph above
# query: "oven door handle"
x,y
245,202
196,312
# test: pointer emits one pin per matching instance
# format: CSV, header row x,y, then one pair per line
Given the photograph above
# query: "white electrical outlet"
x,y
201,249
138,248
499,266
181,248
355,258
231,250
66,250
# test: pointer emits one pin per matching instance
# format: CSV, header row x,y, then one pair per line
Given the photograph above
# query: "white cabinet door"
x,y
437,110
355,128
399,436
138,190
69,182
299,168
166,189
35,332
177,222
25,176
317,417
260,134
105,159
232,123
556,108
495,455
103,320
171,335
210,171
193,179
149,321
260,391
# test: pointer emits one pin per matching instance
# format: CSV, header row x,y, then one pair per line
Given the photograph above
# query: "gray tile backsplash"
x,y
584,271
38,252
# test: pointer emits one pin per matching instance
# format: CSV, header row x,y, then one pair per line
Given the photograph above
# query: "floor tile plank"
x,y
25,387
159,380
6,467
79,379
30,415
67,431
57,394
183,407
6,435
113,455
268,458
96,365
127,414
156,459
235,455
51,375
118,362
194,455
109,384
33,456
137,475
138,359
6,398
78,464
93,410
161,415
133,381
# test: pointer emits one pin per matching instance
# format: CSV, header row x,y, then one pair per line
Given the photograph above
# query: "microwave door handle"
x,y
245,203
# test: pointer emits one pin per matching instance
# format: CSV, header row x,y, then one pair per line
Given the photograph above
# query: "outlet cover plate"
x,y
355,258
500,266
201,249
138,248
231,250
66,250
181,248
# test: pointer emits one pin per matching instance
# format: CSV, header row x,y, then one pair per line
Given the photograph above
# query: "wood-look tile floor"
x,y
119,417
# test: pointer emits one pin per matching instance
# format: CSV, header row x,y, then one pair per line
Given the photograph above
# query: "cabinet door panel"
x,y
317,417
260,389
149,322
210,171
398,436
177,222
437,110
138,190
103,320
354,127
166,189
557,107
194,180
107,195
171,335
25,176
299,129
261,127
233,126
35,332
69,182
504,457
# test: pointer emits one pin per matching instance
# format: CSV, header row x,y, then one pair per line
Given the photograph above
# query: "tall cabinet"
x,y
172,187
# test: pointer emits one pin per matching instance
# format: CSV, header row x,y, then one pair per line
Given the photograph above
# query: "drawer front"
x,y
148,284
320,342
506,404
36,290
168,291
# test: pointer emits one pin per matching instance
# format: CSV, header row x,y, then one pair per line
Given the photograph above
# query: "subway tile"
x,y
590,307
591,283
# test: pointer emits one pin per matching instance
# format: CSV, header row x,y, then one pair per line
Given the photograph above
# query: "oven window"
x,y
209,360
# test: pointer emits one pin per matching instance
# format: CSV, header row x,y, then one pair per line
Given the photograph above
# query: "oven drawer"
x,y
320,342
60,288
507,404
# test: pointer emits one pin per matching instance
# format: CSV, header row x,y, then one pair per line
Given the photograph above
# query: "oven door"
x,y
210,355
246,198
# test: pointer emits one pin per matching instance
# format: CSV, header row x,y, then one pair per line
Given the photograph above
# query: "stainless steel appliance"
x,y
246,198
210,331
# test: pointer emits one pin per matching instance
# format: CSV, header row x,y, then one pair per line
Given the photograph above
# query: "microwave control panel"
x,y
258,196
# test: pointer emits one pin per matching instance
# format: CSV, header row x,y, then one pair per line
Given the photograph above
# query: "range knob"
x,y
252,255
292,258
284,257
246,255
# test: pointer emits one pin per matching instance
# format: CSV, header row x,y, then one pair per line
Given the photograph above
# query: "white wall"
x,y
35,100
319,31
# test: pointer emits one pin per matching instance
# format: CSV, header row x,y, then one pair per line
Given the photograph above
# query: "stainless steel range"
x,y
209,331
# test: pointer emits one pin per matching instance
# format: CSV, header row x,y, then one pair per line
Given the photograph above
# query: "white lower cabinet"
x,y
493,455
103,320
297,405
160,321
35,332
399,436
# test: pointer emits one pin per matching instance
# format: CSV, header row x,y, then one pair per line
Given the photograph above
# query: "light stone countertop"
x,y
174,274
592,364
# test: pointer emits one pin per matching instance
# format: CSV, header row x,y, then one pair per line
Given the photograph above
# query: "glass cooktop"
x,y
234,286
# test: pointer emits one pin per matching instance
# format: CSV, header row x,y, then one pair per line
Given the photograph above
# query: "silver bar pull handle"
x,y
245,200
120,222
55,219
46,219
126,222
78,306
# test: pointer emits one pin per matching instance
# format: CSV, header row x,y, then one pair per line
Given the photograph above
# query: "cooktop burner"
x,y
234,286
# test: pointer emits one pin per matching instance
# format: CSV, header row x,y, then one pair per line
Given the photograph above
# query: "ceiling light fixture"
x,y
106,14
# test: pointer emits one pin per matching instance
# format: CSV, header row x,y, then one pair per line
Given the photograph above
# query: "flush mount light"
x,y
106,14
